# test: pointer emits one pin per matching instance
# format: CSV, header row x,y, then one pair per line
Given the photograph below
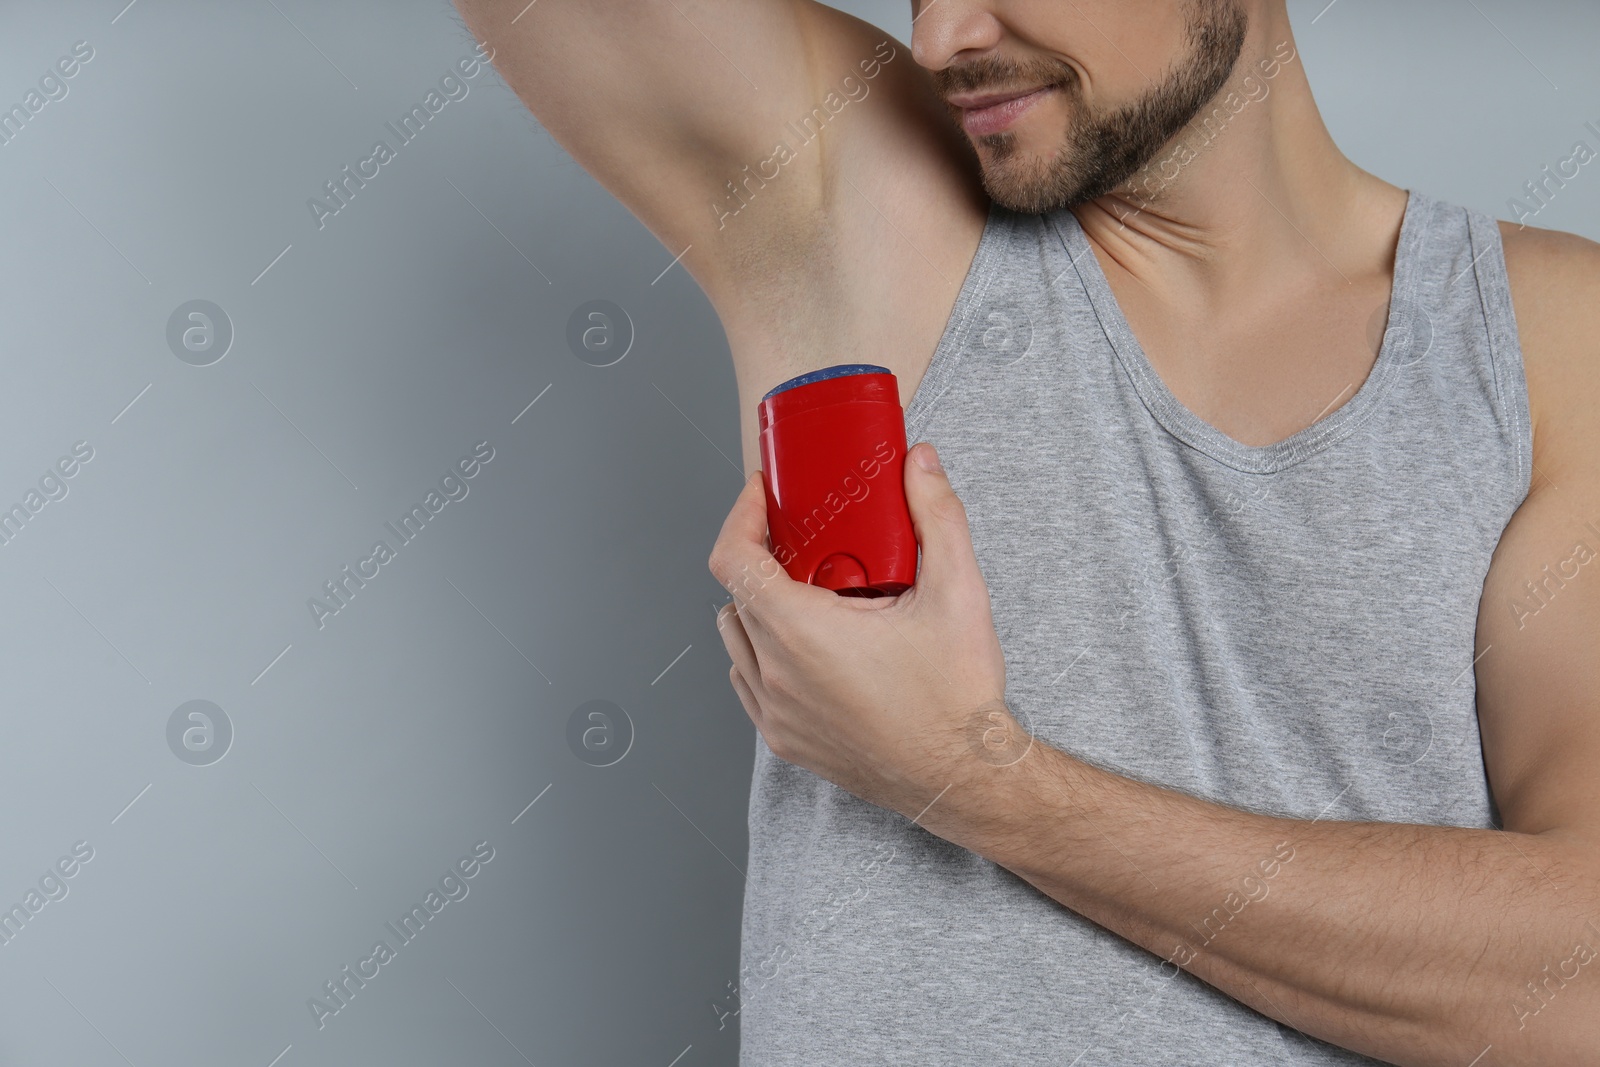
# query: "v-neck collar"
x,y
1201,435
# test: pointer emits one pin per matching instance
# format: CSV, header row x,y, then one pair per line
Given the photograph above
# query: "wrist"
x,y
996,790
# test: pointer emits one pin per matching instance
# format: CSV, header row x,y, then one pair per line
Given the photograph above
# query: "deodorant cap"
x,y
826,372
874,384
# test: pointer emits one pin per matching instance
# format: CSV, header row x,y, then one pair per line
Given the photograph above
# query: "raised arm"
x,y
666,101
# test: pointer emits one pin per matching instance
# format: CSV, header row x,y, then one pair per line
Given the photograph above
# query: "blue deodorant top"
x,y
825,373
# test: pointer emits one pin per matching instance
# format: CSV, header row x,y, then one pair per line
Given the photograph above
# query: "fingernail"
x,y
927,458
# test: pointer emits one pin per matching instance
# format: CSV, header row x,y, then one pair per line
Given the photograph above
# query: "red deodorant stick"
x,y
833,453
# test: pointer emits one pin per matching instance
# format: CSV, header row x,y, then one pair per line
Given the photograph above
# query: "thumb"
x,y
940,521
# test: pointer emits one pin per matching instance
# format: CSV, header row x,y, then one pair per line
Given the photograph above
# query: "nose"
x,y
941,30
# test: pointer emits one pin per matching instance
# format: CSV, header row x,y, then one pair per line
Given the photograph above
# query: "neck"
x,y
1254,178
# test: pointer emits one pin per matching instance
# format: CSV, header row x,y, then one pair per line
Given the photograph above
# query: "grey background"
x,y
371,754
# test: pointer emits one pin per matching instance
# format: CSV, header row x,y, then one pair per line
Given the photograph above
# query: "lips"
x,y
976,101
994,112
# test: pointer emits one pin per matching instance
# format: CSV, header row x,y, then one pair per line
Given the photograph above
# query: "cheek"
x,y
1122,44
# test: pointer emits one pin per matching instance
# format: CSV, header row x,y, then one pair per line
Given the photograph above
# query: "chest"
x,y
1265,365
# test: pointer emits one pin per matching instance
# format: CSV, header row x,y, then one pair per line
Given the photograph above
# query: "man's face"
x,y
1117,80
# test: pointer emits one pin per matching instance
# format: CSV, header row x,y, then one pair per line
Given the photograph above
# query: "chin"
x,y
1024,181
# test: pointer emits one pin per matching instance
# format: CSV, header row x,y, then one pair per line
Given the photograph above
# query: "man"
x,y
1246,709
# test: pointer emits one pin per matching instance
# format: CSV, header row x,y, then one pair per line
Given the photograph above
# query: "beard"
x,y
1100,151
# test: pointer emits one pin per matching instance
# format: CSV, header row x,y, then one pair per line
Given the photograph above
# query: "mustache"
x,y
994,74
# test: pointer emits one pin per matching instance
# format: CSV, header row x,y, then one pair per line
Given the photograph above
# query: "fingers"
x,y
747,697
745,669
740,560
940,522
737,641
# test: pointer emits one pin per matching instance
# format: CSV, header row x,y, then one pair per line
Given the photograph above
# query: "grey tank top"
x,y
1286,629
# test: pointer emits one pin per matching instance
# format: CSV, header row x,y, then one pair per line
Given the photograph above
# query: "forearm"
x,y
1418,945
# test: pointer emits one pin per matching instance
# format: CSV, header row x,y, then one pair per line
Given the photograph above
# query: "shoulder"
x,y
1555,294
1563,266
1555,286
